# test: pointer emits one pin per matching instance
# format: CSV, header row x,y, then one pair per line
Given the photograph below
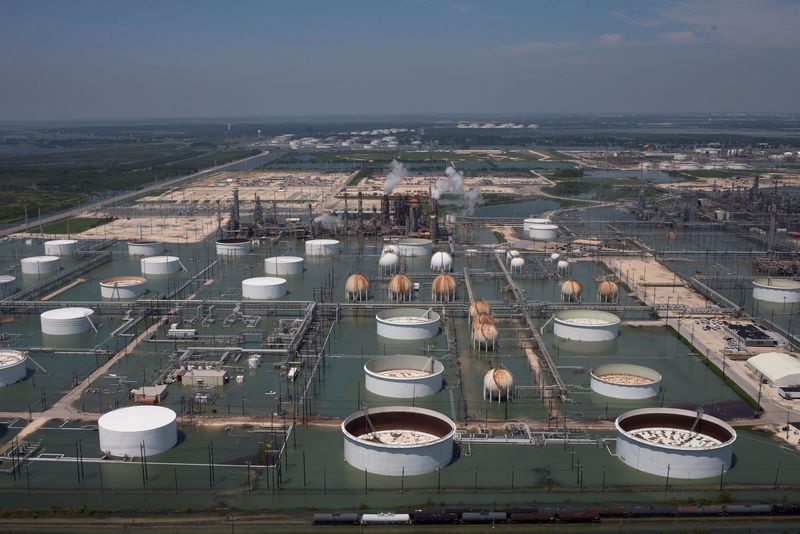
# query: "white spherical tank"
x,y
145,247
122,432
60,247
414,246
517,264
625,381
283,265
394,249
12,366
586,325
407,323
8,284
234,246
322,247
388,262
498,384
543,232
123,287
562,266
263,288
675,443
778,290
66,321
554,256
40,264
511,254
398,440
441,261
160,264
403,376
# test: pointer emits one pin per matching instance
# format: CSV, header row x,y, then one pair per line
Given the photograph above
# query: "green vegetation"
x,y
360,175
75,226
711,173
15,198
568,173
501,238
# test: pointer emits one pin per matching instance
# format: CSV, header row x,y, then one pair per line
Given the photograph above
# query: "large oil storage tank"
x,y
322,247
527,224
441,261
160,264
586,325
122,432
234,246
40,264
407,323
12,366
60,247
403,376
780,290
398,440
283,265
66,321
415,246
675,443
145,247
8,284
264,287
123,287
625,381
543,232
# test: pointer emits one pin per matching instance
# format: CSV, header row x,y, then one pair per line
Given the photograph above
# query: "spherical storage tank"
x,y
60,247
8,284
145,247
235,246
160,264
322,247
123,287
544,232
388,262
571,291
625,381
122,432
414,246
263,287
283,265
776,290
517,264
40,264
356,287
441,261
498,384
66,321
674,442
12,366
398,440
407,323
403,376
586,325
443,288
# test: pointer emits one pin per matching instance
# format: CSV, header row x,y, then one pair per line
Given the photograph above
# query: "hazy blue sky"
x,y
142,59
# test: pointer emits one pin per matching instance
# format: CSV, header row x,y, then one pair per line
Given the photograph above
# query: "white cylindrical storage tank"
x,y
388,262
441,261
398,440
407,323
674,442
235,246
543,232
12,366
283,265
66,321
145,247
60,247
122,432
322,247
778,290
625,381
123,287
527,224
517,264
39,264
160,264
264,287
414,246
8,284
586,325
403,376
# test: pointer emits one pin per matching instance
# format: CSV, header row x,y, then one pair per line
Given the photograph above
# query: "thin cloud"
x,y
611,39
681,38
635,21
538,46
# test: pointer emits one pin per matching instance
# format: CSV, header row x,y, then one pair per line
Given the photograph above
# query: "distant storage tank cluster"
x,y
145,247
444,288
407,323
160,265
403,376
586,325
8,284
283,265
322,247
625,381
60,247
137,430
12,366
498,384
780,290
40,264
356,287
441,261
414,246
66,321
264,288
123,287
235,246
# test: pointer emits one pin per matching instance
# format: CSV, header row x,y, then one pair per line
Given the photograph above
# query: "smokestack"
x,y
311,222
771,234
360,214
235,210
258,214
385,212
344,218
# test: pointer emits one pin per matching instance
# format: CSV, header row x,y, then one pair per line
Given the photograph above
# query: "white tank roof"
x,y
61,242
264,281
67,313
137,418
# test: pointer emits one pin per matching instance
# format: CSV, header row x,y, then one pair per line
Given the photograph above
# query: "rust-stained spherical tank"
x,y
481,318
400,287
444,288
607,291
498,383
356,287
571,291
478,307
484,337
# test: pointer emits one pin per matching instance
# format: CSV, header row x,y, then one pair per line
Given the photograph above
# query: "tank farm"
x,y
399,364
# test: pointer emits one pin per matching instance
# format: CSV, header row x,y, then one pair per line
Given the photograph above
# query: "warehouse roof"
x,y
778,368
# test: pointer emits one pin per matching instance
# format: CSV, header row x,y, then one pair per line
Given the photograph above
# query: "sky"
x,y
68,59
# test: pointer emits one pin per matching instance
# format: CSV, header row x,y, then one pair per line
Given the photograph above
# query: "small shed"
x,y
205,377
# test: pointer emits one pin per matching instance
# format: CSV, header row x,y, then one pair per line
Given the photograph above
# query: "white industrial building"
x,y
777,368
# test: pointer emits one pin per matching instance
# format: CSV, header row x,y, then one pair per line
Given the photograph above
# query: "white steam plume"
x,y
395,176
327,220
454,183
